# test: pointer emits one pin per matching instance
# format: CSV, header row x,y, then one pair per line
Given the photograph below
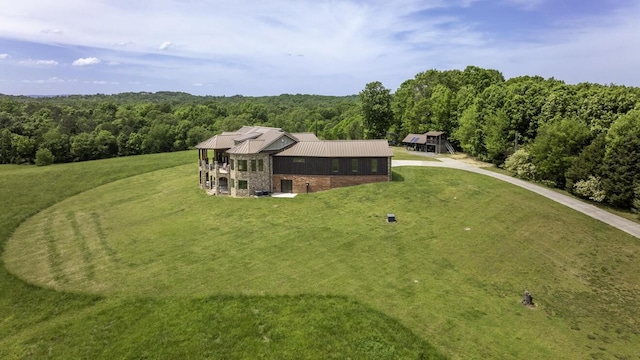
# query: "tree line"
x,y
77,128
584,138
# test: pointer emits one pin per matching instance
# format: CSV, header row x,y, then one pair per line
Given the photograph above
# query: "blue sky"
x,y
328,47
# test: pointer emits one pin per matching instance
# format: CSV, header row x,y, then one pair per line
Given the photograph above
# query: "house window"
x,y
298,160
374,165
260,165
232,182
242,165
354,165
253,165
232,166
242,184
334,165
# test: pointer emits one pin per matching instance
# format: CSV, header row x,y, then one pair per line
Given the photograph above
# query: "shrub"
x,y
590,189
44,157
519,163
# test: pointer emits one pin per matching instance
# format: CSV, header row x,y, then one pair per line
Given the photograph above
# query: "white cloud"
x,y
35,62
86,61
100,82
52,31
165,45
242,47
4,56
46,81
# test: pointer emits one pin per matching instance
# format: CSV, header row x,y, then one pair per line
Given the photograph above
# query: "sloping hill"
x,y
159,262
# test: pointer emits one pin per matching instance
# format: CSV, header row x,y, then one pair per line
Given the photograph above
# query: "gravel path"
x,y
616,221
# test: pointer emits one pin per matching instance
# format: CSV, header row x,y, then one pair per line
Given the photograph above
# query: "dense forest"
x,y
584,138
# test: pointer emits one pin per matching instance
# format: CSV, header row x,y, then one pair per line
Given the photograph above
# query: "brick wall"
x,y
322,183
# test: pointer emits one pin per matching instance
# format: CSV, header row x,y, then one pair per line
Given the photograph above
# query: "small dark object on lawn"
x,y
391,218
527,299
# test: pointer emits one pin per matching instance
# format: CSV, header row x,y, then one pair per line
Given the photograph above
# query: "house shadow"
x,y
396,177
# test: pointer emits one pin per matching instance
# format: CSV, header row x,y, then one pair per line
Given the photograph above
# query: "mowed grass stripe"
x,y
54,256
81,242
103,240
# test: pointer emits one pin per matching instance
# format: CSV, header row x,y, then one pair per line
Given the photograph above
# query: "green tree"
x,y
160,138
350,128
106,145
469,133
481,78
622,160
524,100
24,149
556,147
44,157
496,137
82,147
6,146
197,134
588,163
58,143
134,145
402,102
442,109
377,115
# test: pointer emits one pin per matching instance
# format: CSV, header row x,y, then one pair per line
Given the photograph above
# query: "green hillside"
x,y
133,260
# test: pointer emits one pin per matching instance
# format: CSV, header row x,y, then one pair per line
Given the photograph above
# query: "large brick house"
x,y
257,159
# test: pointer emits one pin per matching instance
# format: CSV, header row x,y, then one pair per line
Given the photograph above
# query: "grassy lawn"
x,y
40,322
150,259
401,153
625,214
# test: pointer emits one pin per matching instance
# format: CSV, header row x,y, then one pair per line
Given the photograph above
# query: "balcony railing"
x,y
220,169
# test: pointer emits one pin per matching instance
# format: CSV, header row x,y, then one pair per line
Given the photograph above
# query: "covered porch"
x,y
214,171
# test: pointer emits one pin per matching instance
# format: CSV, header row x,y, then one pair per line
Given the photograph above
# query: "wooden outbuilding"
x,y
431,141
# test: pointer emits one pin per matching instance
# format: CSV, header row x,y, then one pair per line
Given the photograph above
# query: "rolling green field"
x,y
127,258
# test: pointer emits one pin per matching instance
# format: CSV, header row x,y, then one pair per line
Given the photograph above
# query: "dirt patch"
x,y
471,161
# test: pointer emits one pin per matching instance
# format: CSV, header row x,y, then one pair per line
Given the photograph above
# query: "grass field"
x,y
401,153
36,322
149,266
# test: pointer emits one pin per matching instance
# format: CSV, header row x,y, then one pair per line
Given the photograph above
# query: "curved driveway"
x,y
616,221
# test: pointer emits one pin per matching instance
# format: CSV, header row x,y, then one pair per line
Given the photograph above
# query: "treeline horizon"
x,y
584,138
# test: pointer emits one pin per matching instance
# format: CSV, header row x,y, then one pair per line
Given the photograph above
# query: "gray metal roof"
x,y
222,141
247,136
247,147
434,133
261,129
415,139
270,137
306,136
239,138
254,139
339,148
